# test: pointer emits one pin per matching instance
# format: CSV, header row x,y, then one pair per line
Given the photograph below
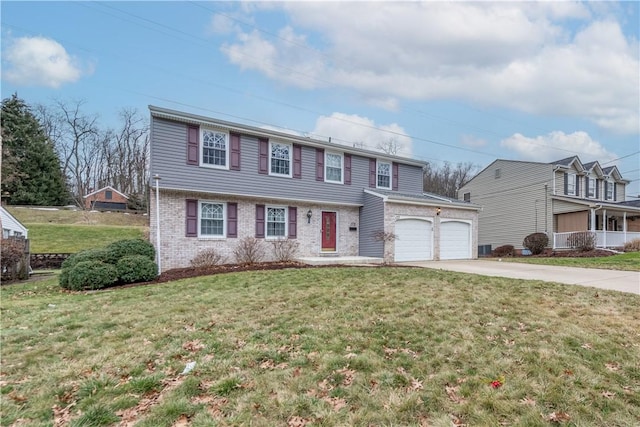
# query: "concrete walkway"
x,y
623,281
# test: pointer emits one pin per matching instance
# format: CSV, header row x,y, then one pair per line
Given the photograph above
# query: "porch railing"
x,y
604,239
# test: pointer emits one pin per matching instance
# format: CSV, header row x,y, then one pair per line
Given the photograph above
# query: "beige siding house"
x,y
558,198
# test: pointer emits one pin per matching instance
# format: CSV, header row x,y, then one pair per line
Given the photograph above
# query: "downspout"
x,y
556,169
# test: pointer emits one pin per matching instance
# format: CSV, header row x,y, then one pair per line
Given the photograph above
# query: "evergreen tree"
x,y
31,173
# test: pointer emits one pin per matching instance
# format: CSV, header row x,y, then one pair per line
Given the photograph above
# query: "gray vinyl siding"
x,y
371,220
509,208
168,159
561,207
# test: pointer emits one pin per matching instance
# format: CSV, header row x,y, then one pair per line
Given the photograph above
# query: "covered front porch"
x,y
611,226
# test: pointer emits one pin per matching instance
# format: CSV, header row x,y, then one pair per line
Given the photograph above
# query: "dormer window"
x,y
608,190
591,187
571,184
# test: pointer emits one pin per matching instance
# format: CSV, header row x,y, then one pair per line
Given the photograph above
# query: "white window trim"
x,y
201,148
378,162
608,184
327,153
266,222
592,188
571,191
224,220
290,159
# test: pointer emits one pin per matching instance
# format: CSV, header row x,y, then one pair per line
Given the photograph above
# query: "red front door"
x,y
329,231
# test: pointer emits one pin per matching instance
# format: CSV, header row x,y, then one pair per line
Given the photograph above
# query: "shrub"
x,y
632,246
98,254
582,240
536,242
503,251
136,268
249,251
13,259
122,248
285,249
91,275
208,258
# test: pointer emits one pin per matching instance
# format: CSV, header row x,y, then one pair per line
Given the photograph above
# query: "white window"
x,y
280,159
276,222
571,184
592,187
609,186
6,233
333,167
211,222
384,175
215,150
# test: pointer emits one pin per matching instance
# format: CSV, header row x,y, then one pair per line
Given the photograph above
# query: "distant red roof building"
x,y
106,198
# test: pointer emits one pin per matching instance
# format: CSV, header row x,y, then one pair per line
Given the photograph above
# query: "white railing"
x,y
604,239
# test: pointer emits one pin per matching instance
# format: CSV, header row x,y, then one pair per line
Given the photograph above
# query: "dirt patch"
x,y
596,253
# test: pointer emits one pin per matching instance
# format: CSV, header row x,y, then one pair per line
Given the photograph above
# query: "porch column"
x,y
604,228
624,226
593,219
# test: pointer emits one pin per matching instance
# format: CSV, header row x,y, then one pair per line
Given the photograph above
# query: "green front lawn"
x,y
57,238
628,261
323,347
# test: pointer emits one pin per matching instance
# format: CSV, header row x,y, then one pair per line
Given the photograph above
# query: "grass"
x,y
69,231
323,347
629,261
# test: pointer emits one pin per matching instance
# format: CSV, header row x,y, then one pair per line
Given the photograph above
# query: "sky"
x,y
442,81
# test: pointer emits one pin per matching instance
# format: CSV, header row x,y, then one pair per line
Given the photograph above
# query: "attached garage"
x,y
455,240
414,239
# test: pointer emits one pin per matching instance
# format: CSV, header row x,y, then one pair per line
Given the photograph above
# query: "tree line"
x,y
56,154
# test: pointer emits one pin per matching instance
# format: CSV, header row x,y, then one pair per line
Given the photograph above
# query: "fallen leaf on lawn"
x,y
457,421
558,417
17,397
298,421
415,385
613,366
527,401
587,346
349,375
627,389
491,337
194,345
388,352
297,371
62,416
452,392
336,403
350,355
509,342
182,421
608,394
410,352
268,364
568,372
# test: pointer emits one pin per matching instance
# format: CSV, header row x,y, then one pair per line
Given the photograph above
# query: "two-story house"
x,y
216,182
519,198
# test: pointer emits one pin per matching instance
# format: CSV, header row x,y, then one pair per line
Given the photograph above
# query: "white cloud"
x,y
557,145
511,55
354,130
39,61
472,141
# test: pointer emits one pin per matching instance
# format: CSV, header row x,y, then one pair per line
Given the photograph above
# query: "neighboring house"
x,y
106,198
220,182
558,198
11,227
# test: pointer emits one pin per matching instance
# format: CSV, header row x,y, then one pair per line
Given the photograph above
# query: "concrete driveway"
x,y
623,281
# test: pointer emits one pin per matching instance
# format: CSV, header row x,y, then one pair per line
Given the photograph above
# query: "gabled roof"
x,y
613,172
568,162
108,187
10,222
195,119
429,199
594,167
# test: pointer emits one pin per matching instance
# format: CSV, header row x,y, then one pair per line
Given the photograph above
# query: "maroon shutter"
x,y
235,152
263,156
232,220
373,173
347,169
394,181
319,164
192,218
297,161
192,145
293,222
259,221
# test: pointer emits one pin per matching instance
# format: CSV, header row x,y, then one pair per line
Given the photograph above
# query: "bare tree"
x,y
447,179
391,146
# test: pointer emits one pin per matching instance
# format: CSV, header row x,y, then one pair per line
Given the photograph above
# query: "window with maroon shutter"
x,y
192,218
293,222
373,173
297,161
394,180
319,164
232,220
347,169
259,221
192,145
235,152
263,156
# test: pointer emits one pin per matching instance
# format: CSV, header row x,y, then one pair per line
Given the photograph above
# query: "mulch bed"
x,y
187,272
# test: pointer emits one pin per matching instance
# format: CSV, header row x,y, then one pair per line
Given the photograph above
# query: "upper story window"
x,y
466,197
571,184
212,219
215,150
609,190
276,222
497,173
333,167
280,159
108,194
384,175
591,187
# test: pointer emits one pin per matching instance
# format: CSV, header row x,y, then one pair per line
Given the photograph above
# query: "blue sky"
x,y
456,81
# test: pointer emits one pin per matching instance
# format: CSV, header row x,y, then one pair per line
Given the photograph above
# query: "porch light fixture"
x,y
157,178
438,211
309,214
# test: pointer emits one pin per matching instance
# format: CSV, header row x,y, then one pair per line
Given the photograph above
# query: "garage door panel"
x,y
455,240
413,240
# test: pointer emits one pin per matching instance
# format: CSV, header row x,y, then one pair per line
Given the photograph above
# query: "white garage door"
x,y
455,240
413,240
